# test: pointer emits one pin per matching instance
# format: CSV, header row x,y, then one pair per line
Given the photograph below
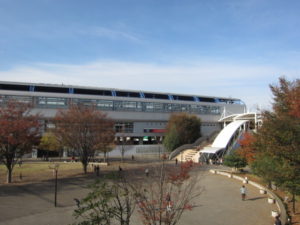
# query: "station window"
x,y
127,94
183,98
176,108
149,106
139,106
22,99
158,107
14,87
156,96
85,102
129,105
51,89
168,107
105,104
206,99
51,102
83,91
124,127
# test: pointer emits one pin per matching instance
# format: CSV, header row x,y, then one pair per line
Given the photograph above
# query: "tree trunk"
x,y
269,184
104,156
84,168
294,202
122,153
9,175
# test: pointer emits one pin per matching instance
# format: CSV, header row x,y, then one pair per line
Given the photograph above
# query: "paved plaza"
x,y
219,204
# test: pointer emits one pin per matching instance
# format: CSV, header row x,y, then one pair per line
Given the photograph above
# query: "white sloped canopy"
x,y
225,135
210,150
243,116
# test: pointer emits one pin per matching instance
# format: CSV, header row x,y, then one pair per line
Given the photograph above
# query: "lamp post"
x,y
54,167
181,157
159,152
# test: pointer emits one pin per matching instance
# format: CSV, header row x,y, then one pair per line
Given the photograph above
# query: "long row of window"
x,y
115,105
115,93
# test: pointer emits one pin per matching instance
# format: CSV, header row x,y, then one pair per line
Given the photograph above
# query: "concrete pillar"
x,y
65,153
141,141
34,153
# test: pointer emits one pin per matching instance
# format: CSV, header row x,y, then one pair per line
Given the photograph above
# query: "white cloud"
x,y
247,82
111,33
61,31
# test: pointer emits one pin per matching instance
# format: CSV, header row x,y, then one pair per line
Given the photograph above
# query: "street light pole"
x,y
55,192
55,170
159,152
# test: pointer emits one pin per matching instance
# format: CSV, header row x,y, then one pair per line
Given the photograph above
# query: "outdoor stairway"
x,y
187,155
187,152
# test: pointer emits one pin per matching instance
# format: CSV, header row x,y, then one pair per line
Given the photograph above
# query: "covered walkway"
x,y
224,142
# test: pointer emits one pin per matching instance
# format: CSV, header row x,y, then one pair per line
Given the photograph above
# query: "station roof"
x,y
225,135
210,150
243,116
114,92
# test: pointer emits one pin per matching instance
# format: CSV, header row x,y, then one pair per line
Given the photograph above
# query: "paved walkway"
x,y
219,204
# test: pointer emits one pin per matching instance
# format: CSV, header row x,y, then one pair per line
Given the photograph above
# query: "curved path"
x,y
222,205
219,204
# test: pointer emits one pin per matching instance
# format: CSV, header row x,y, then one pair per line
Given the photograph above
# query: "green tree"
x,y
279,137
49,142
182,129
110,201
171,140
235,160
266,167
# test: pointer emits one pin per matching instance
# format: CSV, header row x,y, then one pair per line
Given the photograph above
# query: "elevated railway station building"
x,y
140,116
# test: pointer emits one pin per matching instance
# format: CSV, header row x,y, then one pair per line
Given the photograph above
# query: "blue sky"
x,y
230,48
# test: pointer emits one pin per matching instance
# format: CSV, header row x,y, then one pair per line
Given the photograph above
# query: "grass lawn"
x,y
37,171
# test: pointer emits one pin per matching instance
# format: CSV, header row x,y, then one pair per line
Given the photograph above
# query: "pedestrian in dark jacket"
x,y
277,221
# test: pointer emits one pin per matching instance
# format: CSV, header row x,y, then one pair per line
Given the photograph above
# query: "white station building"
x,y
140,116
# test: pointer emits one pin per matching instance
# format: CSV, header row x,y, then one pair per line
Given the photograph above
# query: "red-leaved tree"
x,y
167,193
85,130
19,131
294,99
247,149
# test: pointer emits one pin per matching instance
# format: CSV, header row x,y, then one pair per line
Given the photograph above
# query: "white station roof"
x,y
225,135
243,116
210,150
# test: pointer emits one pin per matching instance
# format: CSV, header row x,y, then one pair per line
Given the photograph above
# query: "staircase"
x,y
189,150
187,155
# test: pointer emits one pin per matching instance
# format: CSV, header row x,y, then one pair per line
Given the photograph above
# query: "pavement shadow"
x,y
45,187
256,198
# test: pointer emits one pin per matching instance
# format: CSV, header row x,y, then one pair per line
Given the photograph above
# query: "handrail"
x,y
234,142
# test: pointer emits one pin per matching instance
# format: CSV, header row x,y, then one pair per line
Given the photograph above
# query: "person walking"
x,y
277,221
243,192
97,170
147,172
